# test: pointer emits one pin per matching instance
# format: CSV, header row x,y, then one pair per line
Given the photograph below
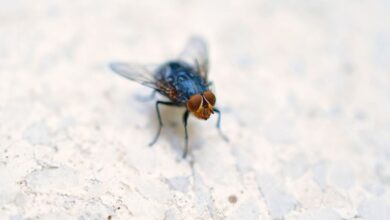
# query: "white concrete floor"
x,y
304,88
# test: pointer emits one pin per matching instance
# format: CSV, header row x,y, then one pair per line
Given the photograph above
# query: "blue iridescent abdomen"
x,y
179,81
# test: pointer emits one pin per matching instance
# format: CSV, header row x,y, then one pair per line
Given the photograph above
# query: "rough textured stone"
x,y
303,87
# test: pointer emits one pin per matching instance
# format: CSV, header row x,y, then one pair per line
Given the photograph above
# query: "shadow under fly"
x,y
184,81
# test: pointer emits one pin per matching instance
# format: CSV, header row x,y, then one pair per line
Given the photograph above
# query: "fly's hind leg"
x,y
185,119
224,137
160,124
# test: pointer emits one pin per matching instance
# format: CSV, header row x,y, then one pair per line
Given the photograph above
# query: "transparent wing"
x,y
196,54
143,74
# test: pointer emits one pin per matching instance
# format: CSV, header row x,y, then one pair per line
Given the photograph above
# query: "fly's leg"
x,y
185,119
224,137
147,98
160,124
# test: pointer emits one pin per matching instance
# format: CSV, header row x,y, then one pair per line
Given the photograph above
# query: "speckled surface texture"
x,y
304,87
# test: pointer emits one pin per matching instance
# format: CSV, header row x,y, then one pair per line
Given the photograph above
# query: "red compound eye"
x,y
210,97
194,102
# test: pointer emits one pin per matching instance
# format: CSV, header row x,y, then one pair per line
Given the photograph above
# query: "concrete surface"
x,y
304,87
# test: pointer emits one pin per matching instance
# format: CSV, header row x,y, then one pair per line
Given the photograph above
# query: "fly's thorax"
x,y
188,83
202,104
179,81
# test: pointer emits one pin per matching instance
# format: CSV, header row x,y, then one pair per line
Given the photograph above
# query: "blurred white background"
x,y
304,87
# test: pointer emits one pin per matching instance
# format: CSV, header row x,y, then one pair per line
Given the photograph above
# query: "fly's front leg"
x,y
185,119
224,137
160,124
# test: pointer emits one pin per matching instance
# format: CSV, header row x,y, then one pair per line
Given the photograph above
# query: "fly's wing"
x,y
142,74
196,54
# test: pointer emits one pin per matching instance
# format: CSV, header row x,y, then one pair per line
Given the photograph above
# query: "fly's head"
x,y
202,105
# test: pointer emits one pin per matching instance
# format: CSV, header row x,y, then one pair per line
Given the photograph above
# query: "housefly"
x,y
184,81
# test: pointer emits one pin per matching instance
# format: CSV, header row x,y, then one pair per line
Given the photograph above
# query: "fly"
x,y
183,81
